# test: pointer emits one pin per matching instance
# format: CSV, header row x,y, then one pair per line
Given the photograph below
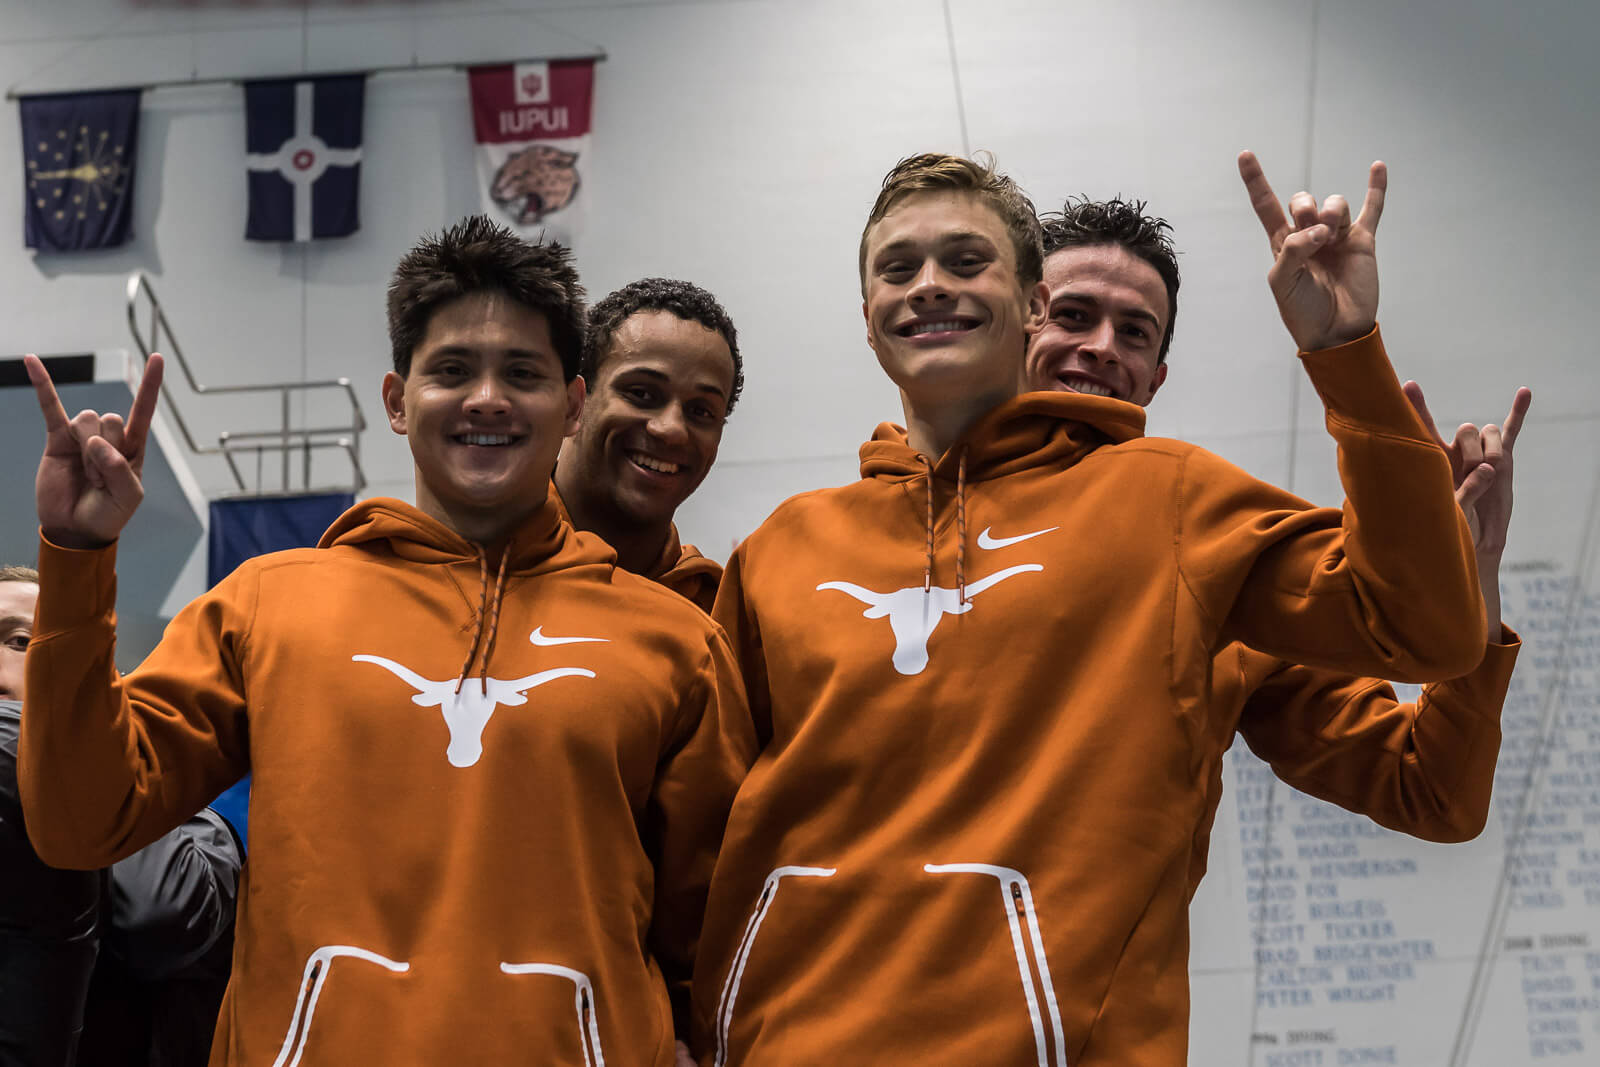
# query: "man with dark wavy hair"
x,y
491,767
662,364
1425,769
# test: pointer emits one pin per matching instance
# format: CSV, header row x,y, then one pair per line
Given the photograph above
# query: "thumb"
x,y
116,475
1474,485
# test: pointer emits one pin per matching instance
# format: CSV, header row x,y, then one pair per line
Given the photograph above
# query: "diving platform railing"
x,y
285,443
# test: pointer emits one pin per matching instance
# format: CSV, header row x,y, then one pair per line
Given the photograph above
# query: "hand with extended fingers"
x,y
1474,453
88,485
1325,268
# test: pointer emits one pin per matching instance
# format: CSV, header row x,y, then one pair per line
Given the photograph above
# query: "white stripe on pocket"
x,y
1013,881
730,986
317,967
583,1003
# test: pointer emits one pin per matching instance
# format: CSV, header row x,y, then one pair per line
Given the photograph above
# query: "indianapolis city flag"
x,y
532,126
303,157
79,150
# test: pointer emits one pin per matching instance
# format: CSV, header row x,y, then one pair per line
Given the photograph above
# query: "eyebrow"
x,y
10,621
658,376
1085,298
954,237
449,351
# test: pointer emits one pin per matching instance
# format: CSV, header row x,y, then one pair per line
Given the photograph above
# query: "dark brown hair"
x,y
475,256
1085,223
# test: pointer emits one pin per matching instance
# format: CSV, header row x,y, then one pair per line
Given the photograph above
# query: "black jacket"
x,y
49,933
161,920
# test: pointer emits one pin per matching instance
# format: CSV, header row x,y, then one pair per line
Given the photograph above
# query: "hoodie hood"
x,y
382,524
1025,431
686,572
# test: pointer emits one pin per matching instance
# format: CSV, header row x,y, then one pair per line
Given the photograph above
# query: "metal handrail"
x,y
286,439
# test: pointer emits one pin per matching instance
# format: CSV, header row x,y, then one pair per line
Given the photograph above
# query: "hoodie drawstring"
x,y
961,531
489,610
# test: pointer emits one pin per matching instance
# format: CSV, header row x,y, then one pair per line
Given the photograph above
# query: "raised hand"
x,y
1324,272
88,485
1480,461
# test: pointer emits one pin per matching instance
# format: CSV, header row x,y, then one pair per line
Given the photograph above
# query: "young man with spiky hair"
x,y
491,766
981,674
662,364
1425,769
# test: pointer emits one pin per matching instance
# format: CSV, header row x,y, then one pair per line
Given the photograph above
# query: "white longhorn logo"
x,y
467,712
915,612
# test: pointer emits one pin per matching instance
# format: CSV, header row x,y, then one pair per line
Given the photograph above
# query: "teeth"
x,y
935,327
650,463
1078,385
486,438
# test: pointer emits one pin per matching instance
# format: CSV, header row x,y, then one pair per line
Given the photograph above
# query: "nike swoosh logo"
x,y
985,541
538,638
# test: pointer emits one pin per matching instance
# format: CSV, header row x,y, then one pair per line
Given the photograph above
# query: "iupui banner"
x,y
532,126
80,150
303,155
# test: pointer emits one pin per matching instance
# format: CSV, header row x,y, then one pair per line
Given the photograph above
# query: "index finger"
x,y
1377,188
1263,199
144,406
55,416
1519,409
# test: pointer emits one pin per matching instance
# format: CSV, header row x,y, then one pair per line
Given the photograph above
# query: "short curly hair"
x,y
934,172
1085,223
686,300
477,256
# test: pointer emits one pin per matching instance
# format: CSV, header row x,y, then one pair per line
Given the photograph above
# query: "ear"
x,y
1038,308
394,402
576,391
867,317
1155,383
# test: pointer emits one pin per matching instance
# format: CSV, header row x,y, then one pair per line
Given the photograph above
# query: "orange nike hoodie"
x,y
1424,768
983,687
485,805
680,567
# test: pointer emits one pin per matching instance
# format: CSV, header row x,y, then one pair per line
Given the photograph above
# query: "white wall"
x,y
739,143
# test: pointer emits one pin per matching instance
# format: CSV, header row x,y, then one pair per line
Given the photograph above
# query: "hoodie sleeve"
x,y
109,764
710,752
1387,587
1425,769
737,618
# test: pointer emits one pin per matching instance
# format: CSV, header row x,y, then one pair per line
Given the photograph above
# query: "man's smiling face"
x,y
945,312
654,417
484,407
1108,312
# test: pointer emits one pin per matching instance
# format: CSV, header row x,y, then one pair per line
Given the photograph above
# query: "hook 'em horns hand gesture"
x,y
1325,268
88,485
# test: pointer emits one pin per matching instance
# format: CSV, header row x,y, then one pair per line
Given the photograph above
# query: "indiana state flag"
x,y
79,149
303,154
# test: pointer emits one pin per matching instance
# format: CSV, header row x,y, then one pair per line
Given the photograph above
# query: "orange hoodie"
x,y
681,568
984,692
440,871
1424,769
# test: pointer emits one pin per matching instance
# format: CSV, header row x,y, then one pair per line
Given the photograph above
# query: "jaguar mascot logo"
x,y
534,182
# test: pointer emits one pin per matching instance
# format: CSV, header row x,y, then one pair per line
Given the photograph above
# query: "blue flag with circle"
x,y
303,157
79,151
